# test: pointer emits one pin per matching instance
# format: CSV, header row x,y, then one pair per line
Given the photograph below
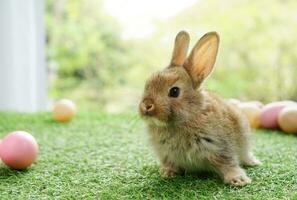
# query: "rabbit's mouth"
x,y
154,121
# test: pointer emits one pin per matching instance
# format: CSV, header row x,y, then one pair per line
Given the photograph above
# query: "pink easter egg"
x,y
18,150
268,115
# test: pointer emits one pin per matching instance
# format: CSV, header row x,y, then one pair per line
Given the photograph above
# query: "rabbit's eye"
x,y
174,92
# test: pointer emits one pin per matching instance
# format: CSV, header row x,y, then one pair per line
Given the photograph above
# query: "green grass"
x,y
104,156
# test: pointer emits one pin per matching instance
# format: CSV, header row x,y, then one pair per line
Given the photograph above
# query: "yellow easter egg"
x,y
287,119
252,112
64,110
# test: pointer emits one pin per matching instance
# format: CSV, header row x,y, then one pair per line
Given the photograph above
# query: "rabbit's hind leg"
x,y
247,158
230,171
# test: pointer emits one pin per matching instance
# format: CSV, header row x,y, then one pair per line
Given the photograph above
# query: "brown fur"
x,y
196,131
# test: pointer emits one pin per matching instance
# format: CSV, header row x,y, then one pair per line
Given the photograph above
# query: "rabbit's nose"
x,y
147,107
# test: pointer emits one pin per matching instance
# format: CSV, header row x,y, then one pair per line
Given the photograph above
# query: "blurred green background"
x,y
94,60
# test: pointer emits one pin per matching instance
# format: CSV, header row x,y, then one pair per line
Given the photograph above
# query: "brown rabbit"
x,y
190,129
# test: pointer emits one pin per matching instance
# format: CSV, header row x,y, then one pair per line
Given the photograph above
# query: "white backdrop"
x,y
22,61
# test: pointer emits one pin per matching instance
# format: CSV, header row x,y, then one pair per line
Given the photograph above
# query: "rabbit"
x,y
190,129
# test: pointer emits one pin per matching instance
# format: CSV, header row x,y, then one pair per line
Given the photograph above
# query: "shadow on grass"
x,y
51,122
148,183
6,172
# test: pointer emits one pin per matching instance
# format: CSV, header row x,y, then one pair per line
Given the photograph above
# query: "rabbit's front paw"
x,y
251,162
168,172
237,178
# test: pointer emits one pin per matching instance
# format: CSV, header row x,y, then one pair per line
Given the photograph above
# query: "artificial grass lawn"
x,y
104,156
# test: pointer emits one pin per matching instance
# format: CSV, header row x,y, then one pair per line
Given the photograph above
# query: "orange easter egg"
x,y
64,110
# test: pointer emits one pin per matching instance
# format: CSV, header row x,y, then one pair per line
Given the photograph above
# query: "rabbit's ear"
x,y
202,58
180,50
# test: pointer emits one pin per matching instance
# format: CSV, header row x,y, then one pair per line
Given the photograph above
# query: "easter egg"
x,y
268,115
18,150
287,119
257,103
64,110
252,112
